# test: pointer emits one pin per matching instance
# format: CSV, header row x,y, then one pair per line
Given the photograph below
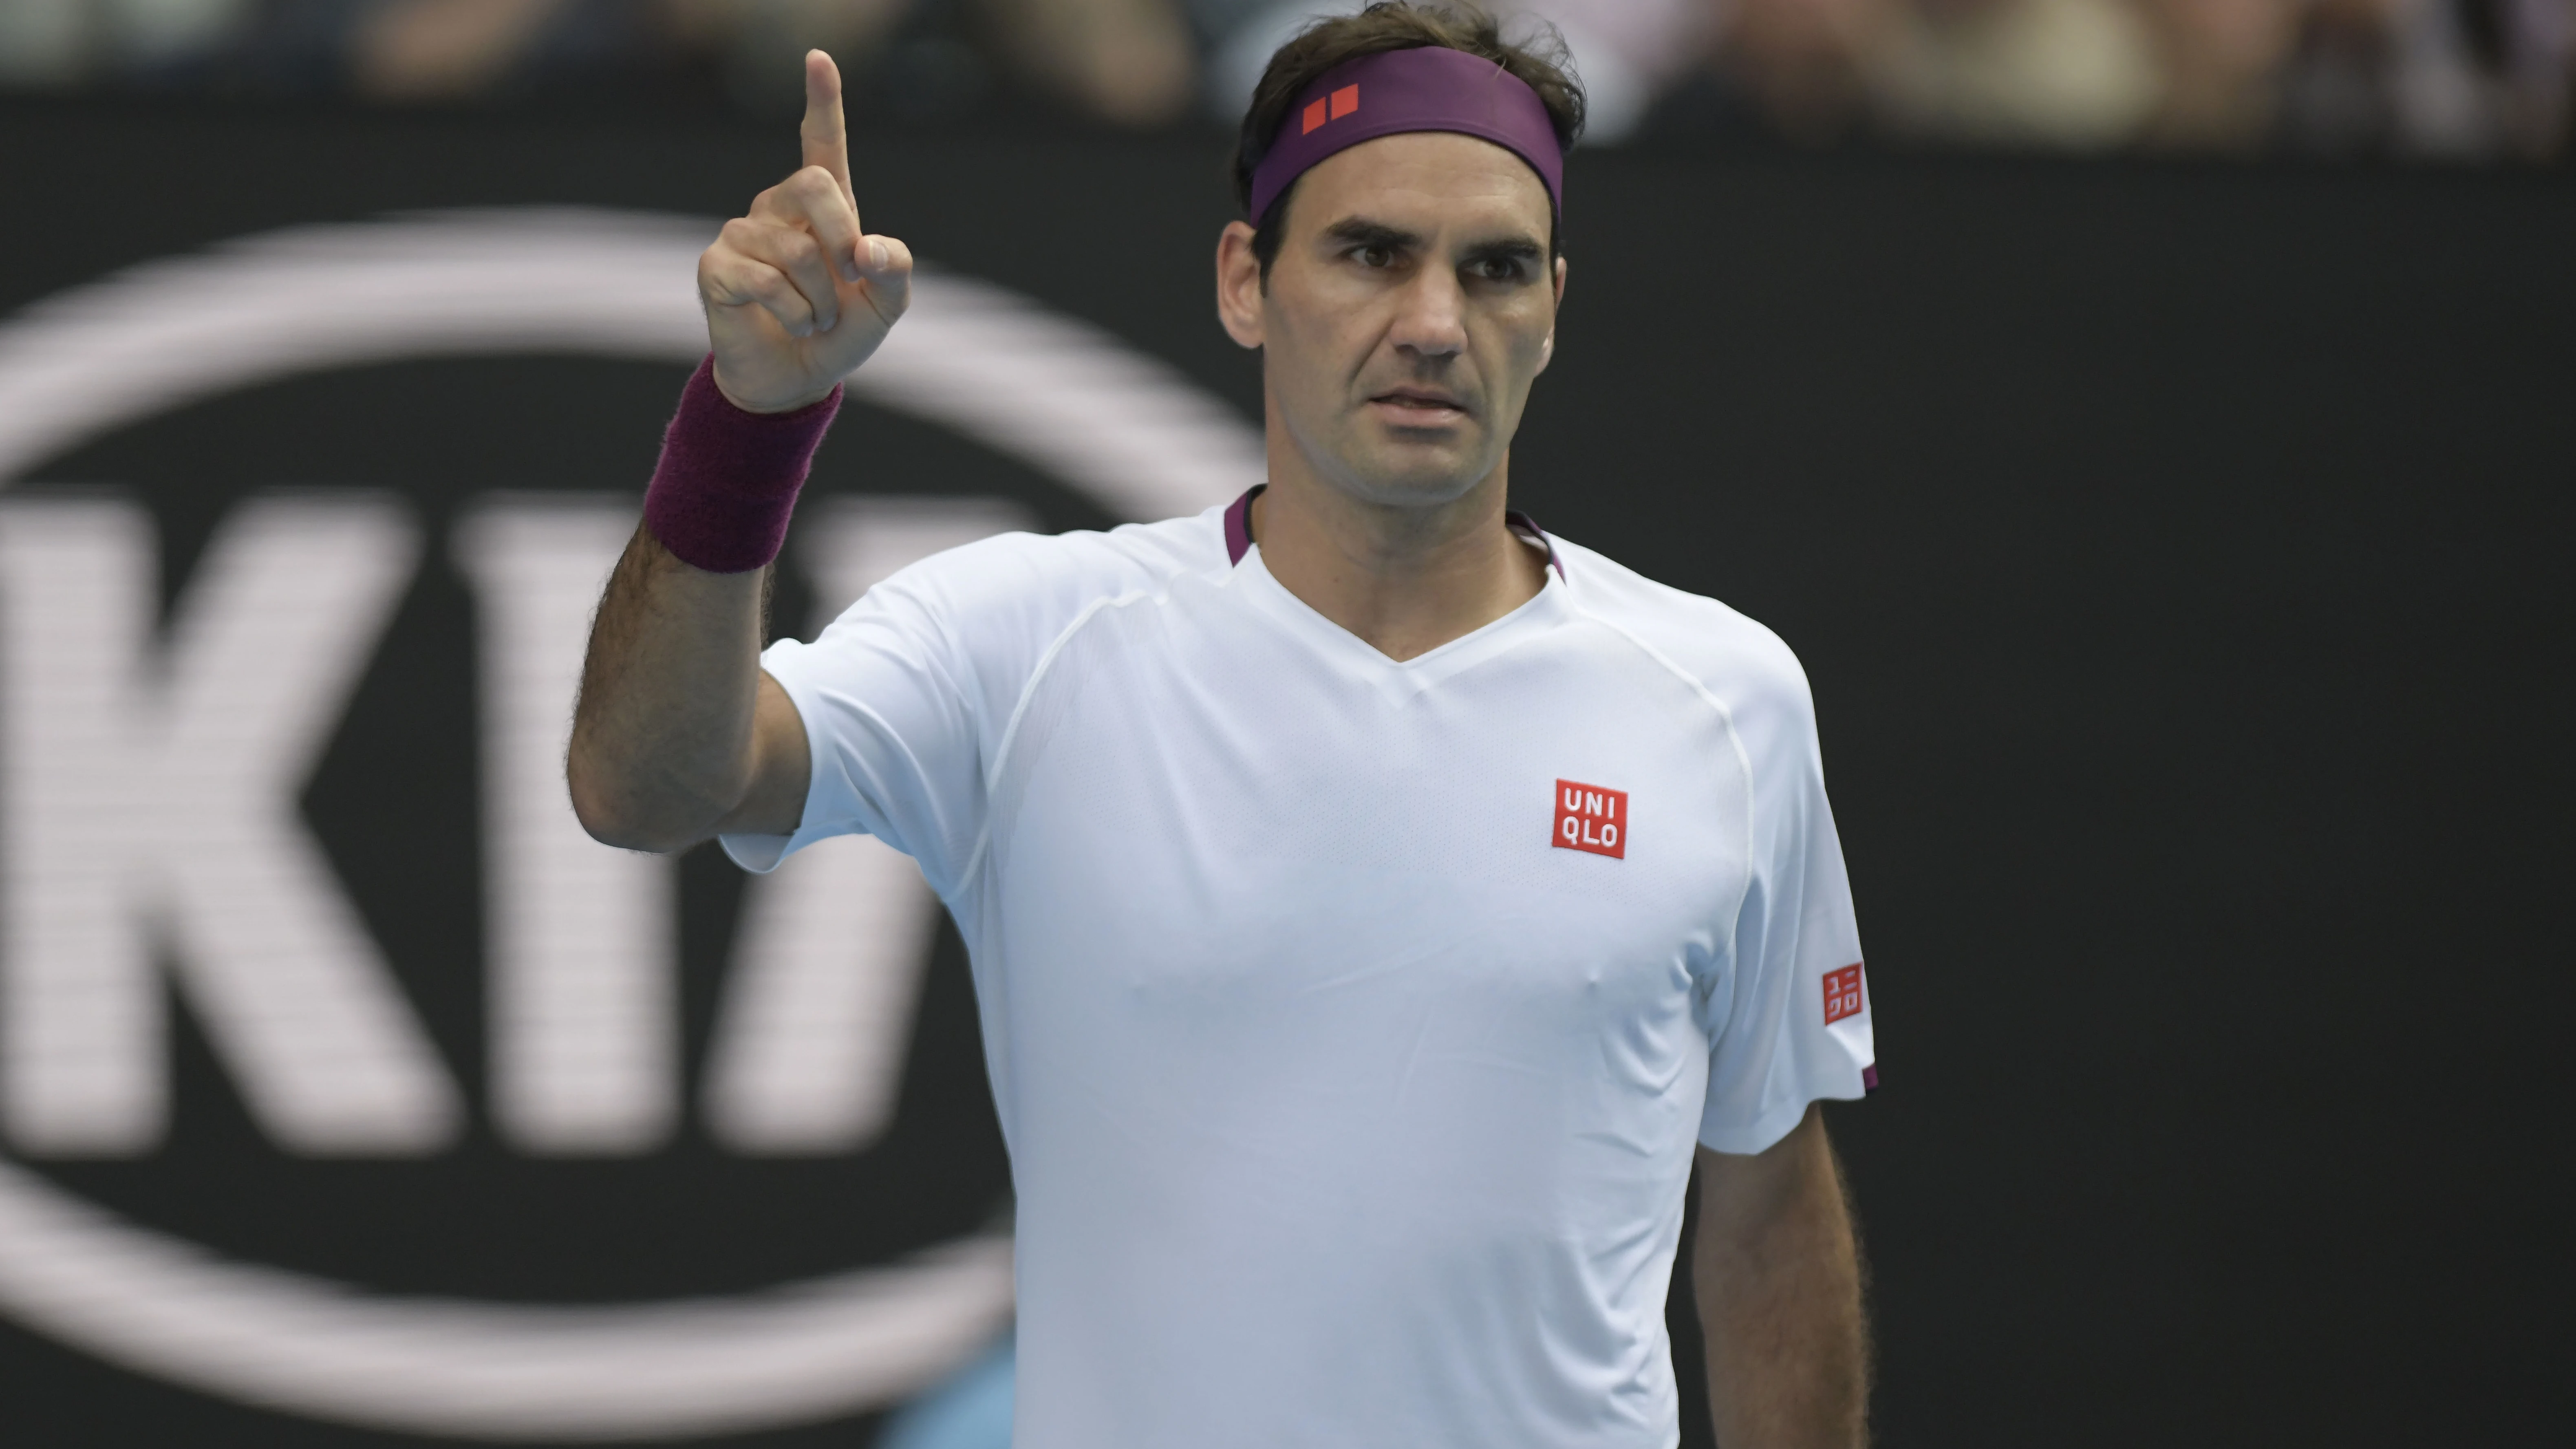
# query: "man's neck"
x,y
1404,580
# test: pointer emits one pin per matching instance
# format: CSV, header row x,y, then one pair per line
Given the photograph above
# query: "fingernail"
x,y
877,255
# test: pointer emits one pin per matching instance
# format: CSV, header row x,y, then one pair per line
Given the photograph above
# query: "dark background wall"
x,y
2177,554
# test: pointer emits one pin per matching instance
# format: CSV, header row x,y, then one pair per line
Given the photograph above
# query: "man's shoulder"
x,y
1746,667
1057,575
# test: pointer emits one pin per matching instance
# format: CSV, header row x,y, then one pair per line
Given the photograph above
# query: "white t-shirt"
x,y
1350,1022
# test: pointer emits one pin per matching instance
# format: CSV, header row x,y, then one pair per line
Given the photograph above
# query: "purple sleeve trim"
x,y
1238,524
1869,1077
728,479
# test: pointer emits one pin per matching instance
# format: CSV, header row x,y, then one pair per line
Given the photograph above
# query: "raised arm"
x,y
1776,1268
679,735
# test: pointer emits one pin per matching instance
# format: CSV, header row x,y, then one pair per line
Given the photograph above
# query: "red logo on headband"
x,y
1339,104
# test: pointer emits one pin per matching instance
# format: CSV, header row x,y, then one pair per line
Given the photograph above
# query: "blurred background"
x,y
2153,423
2483,80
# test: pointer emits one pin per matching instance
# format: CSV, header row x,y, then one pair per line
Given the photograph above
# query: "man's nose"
x,y
1431,320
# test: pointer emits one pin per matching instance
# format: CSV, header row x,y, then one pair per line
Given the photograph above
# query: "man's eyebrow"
x,y
1362,232
1506,249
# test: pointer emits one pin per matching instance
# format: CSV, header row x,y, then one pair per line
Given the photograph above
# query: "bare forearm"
x,y
1778,1275
679,735
663,743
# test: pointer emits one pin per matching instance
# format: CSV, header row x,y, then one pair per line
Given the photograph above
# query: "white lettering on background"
x,y
148,804
1124,430
580,940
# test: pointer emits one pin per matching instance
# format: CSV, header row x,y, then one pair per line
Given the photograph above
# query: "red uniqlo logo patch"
x,y
1842,993
1591,818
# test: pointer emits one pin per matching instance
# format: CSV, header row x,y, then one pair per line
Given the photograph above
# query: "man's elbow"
x,y
620,817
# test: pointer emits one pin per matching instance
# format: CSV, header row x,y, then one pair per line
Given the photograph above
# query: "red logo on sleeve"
x,y
1842,993
1591,818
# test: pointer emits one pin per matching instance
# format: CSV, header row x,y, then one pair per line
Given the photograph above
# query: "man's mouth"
x,y
1430,406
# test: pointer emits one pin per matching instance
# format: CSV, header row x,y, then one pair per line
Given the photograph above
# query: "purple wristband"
x,y
728,478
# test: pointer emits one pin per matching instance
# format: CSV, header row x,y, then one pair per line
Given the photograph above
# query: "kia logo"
x,y
152,843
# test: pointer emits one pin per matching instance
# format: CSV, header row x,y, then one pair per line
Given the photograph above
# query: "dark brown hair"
x,y
1392,25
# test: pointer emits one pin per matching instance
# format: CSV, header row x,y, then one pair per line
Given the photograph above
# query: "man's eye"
x,y
1375,257
1498,269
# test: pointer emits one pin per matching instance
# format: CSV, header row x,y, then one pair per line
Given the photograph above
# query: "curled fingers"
x,y
792,254
730,279
813,200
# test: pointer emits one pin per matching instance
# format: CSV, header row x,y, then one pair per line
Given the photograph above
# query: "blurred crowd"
x,y
2472,79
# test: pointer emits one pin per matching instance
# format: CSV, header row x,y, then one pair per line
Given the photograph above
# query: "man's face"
x,y
1411,305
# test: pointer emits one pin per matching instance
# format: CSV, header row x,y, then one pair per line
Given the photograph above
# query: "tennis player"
x,y
1374,901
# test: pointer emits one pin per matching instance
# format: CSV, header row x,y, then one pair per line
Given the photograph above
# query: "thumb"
x,y
885,272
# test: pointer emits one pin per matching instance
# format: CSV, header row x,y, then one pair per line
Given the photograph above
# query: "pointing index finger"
x,y
827,140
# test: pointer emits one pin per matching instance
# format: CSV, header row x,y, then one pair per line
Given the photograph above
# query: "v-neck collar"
x,y
1399,680
1238,530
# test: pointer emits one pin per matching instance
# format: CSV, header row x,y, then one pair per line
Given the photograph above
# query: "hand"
x,y
797,296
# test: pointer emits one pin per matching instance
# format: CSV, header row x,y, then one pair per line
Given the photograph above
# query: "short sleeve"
x,y
1797,1022
892,721
907,696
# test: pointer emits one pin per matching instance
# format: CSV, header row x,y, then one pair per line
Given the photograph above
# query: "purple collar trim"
x,y
1238,525
1527,527
1238,530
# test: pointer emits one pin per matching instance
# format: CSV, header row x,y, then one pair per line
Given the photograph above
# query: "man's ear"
x,y
1238,285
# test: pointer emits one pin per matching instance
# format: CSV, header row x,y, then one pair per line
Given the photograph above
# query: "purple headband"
x,y
1426,88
